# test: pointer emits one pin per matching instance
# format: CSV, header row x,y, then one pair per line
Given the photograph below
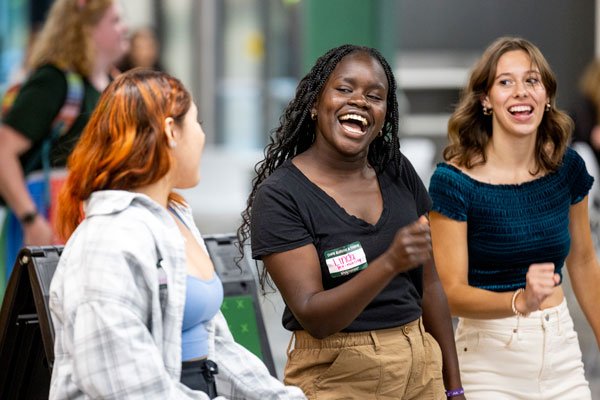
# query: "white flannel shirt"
x,y
117,334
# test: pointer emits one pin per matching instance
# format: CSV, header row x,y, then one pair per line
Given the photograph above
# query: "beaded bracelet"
x,y
514,301
455,392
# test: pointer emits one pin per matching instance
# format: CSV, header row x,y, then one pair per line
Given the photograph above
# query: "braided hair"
x,y
296,132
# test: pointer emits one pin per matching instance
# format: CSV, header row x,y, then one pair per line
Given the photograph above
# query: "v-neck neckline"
x,y
341,210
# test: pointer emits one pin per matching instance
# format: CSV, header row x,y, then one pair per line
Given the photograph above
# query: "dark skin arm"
x,y
437,321
321,312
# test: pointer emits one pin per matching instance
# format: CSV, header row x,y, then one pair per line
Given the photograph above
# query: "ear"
x,y
485,101
313,108
170,131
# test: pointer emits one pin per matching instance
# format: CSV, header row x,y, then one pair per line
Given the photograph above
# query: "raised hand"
x,y
411,246
540,282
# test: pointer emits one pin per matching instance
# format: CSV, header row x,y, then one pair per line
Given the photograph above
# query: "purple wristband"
x,y
455,392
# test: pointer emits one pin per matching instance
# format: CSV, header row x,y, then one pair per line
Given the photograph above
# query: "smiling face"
x,y
352,105
517,96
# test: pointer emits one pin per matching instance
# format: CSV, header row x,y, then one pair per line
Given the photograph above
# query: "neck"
x,y
512,152
100,73
157,191
334,163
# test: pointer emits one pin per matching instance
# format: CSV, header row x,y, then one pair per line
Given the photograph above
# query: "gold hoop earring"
x,y
548,107
380,134
313,116
487,111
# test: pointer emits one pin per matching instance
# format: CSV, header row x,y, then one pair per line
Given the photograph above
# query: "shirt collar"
x,y
104,202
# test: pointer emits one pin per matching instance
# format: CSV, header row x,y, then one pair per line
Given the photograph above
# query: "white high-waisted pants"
x,y
522,358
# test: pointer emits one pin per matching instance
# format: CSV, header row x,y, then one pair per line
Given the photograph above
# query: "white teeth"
x,y
346,117
520,108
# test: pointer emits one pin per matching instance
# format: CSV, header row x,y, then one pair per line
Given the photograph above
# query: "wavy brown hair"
x,y
66,37
123,147
469,130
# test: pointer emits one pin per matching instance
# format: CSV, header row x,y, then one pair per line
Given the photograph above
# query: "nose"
x,y
359,100
520,89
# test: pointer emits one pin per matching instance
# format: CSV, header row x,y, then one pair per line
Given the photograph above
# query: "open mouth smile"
x,y
354,123
521,110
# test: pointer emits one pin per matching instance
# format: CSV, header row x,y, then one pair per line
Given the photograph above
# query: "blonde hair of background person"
x,y
510,208
589,85
87,36
68,35
587,123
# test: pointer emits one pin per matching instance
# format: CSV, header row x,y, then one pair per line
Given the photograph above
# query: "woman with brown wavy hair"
x,y
507,215
79,42
135,298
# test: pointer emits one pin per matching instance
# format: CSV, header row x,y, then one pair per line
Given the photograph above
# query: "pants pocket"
x,y
354,374
433,352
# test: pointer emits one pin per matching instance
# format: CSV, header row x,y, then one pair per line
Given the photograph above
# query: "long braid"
x,y
296,132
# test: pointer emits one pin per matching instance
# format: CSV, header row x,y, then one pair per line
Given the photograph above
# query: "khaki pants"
x,y
397,363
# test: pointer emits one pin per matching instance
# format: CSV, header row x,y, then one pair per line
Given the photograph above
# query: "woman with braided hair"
x,y
336,214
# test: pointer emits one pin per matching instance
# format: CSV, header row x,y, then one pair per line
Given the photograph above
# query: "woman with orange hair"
x,y
135,292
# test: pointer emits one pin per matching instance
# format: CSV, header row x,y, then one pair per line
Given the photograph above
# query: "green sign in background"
x,y
241,318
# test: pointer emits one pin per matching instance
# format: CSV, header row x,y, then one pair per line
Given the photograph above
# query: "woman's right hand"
x,y
411,246
38,232
540,282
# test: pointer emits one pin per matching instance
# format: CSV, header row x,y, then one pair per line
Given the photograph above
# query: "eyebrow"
x,y
531,71
377,85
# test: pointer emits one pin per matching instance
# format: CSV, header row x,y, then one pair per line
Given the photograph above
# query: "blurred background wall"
x,y
242,60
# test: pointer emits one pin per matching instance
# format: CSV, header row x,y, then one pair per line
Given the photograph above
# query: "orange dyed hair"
x,y
124,146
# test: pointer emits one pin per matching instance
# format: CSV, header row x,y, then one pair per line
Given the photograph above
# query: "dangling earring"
x,y
548,107
380,134
313,116
486,111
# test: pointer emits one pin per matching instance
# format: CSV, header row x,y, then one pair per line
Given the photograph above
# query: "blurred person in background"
x,y
144,51
586,135
336,214
70,64
135,298
509,211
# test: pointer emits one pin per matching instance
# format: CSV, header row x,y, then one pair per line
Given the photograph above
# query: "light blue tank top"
x,y
203,298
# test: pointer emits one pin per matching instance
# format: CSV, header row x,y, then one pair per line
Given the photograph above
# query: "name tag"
x,y
346,260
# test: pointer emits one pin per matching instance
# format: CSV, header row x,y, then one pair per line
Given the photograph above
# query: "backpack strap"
x,y
9,98
71,108
61,124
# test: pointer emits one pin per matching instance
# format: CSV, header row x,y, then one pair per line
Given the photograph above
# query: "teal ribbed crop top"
x,y
510,227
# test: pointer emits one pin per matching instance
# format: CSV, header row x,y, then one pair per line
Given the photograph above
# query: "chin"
x,y
188,183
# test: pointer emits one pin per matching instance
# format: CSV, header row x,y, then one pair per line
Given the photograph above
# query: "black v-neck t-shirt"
x,y
290,211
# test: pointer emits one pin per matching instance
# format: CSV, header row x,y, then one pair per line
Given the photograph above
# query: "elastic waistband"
x,y
536,320
349,339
